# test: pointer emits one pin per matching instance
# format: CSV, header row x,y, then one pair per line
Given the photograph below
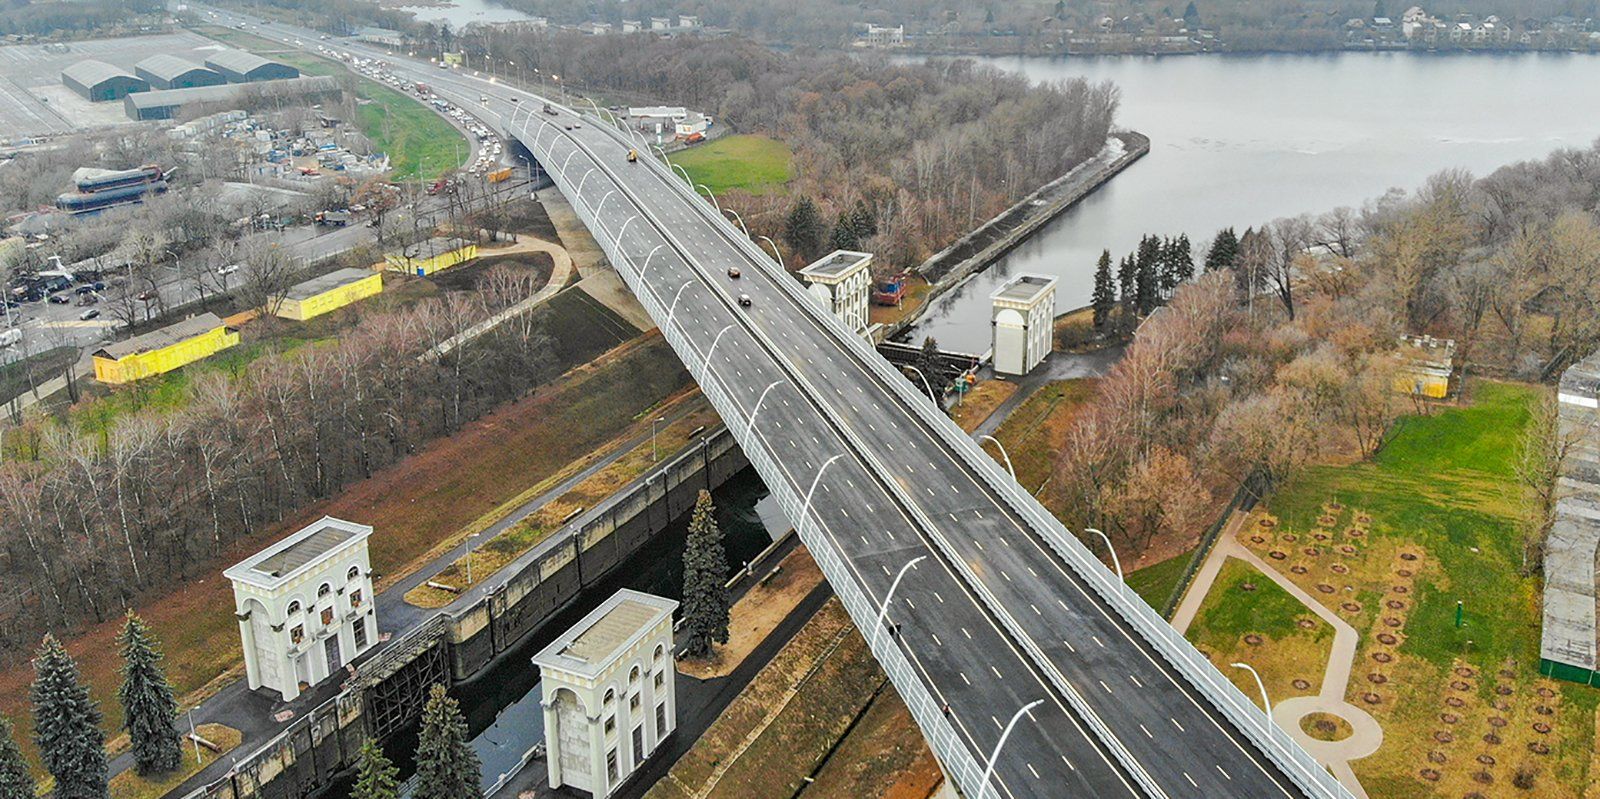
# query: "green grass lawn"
x,y
756,164
1156,582
420,143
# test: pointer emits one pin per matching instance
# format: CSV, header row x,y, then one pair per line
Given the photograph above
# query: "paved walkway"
x,y
1056,366
559,275
1367,734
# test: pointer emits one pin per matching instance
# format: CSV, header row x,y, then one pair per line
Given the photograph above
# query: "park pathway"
x,y
1366,735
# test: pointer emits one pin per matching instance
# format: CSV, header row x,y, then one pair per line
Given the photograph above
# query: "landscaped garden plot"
x,y
1391,545
1248,618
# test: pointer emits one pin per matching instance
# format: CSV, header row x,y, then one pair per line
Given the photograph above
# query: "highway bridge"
x,y
998,628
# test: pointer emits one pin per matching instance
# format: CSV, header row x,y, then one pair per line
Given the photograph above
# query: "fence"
x,y
1244,498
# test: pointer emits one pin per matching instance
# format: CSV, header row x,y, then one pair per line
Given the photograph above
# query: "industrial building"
x,y
164,71
842,281
608,692
1023,321
305,606
164,350
329,292
1568,639
239,66
99,82
427,257
171,103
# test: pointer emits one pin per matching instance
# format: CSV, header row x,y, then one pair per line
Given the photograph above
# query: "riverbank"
x,y
986,244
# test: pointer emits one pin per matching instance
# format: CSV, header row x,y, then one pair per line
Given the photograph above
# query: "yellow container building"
x,y
329,292
427,257
163,350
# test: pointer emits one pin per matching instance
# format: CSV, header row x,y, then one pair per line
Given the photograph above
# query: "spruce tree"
x,y
844,234
16,782
376,777
66,725
447,768
863,221
1183,258
1224,250
705,573
1146,281
1126,277
804,228
1104,292
149,712
1191,15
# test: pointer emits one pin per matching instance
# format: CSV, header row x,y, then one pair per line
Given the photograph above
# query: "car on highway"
x,y
92,313
733,272
744,301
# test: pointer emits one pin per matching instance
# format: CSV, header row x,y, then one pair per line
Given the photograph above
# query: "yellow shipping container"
x,y
329,292
432,256
163,350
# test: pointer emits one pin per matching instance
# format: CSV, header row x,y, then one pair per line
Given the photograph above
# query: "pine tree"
x,y
1126,277
1183,258
928,364
376,777
447,768
1104,292
1224,250
804,228
66,725
1191,16
863,221
1145,278
844,234
16,782
705,573
149,711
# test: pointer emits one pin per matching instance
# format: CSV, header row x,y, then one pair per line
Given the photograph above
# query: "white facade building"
x,y
842,282
884,35
305,606
608,692
1023,318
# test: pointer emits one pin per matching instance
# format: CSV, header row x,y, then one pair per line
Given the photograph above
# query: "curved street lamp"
x,y
1112,550
775,254
986,437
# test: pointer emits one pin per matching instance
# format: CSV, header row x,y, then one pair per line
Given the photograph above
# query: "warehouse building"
x,y
427,257
329,292
164,71
164,350
1023,323
171,103
98,81
1569,647
239,66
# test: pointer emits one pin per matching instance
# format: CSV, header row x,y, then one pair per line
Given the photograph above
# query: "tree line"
x,y
93,515
910,155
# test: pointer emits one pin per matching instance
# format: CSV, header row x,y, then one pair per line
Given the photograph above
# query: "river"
x,y
461,13
1241,140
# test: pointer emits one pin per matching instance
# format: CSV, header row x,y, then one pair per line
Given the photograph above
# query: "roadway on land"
x,y
890,490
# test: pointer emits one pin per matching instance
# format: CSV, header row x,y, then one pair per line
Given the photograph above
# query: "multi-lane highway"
x,y
1000,609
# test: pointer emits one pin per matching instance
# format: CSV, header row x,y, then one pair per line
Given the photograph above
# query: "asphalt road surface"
x,y
888,490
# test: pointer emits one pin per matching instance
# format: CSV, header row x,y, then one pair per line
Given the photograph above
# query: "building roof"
x,y
594,643
305,549
165,337
328,282
167,67
91,72
228,92
837,264
1024,288
236,61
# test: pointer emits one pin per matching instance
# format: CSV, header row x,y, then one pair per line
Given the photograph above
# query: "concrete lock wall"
x,y
545,581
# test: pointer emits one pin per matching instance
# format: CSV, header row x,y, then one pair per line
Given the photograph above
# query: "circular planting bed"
x,y
1497,721
1382,657
1256,539
1347,549
1340,568
1371,698
1465,671
1486,759
1267,523
1408,556
1253,639
1431,775
1320,536
1449,718
1277,554
1503,690
1544,710
1298,569
1387,639
1351,607
1403,572
1326,726
1390,621
1325,588
1401,589
1546,692
1312,551
1355,532
1437,756
1539,748
1461,686
1455,701
1541,728
1290,537
1247,586
1301,685
1326,521
1363,519
1377,679
1395,604
1305,624
1443,736
1491,739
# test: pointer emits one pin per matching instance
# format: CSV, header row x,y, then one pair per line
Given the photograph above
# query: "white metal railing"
x,y
1223,694
958,760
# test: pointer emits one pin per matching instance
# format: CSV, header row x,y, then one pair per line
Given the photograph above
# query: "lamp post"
x,y
775,253
986,437
988,771
884,611
925,383
757,409
805,509
655,454
713,197
1112,550
1265,703
740,218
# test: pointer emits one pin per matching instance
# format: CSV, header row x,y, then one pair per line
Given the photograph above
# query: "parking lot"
x,y
33,101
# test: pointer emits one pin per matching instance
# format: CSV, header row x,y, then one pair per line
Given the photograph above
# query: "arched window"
x,y
611,696
355,571
294,607
633,677
324,589
661,652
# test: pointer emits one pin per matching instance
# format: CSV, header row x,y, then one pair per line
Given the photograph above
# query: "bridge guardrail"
x,y
925,710
1250,720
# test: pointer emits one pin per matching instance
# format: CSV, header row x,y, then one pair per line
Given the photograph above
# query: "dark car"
x,y
59,299
83,290
89,314
733,272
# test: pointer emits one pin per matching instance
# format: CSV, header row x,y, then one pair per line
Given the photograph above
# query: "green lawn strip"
x,y
755,164
1030,433
1230,612
420,143
1156,582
